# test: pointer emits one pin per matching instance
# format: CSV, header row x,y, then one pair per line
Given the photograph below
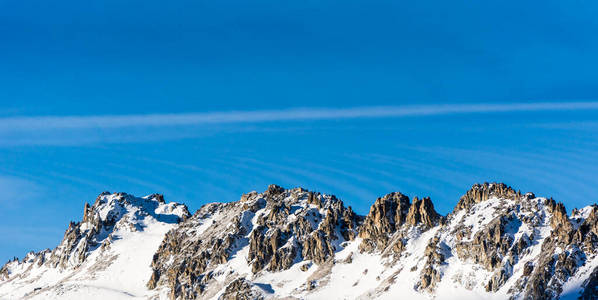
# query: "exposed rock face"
x,y
422,212
430,276
241,289
564,251
490,245
280,228
281,233
559,221
492,226
198,251
482,192
388,215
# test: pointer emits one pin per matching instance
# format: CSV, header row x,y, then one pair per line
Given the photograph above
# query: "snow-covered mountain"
x,y
106,255
296,244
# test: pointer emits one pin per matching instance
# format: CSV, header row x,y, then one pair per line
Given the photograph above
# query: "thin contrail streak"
x,y
296,114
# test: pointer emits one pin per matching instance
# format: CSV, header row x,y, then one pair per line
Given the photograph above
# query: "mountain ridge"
x,y
496,242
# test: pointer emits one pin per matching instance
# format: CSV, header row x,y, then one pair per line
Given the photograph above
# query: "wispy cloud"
x,y
12,124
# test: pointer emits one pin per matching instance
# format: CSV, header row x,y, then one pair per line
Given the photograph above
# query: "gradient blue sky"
x,y
205,100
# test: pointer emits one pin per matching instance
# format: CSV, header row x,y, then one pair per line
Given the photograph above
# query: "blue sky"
x,y
205,100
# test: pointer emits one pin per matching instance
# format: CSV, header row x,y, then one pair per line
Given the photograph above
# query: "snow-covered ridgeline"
x,y
496,244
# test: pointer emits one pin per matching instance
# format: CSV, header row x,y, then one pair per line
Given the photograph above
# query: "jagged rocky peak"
x,y
514,235
422,212
31,259
99,241
389,214
482,192
496,235
109,206
559,220
109,213
278,228
585,221
571,244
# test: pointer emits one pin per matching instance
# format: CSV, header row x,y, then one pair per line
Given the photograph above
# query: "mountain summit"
x,y
497,243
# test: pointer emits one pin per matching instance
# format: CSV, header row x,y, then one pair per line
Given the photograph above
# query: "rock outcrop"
x,y
422,212
241,289
482,192
386,215
279,227
564,251
434,256
389,215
